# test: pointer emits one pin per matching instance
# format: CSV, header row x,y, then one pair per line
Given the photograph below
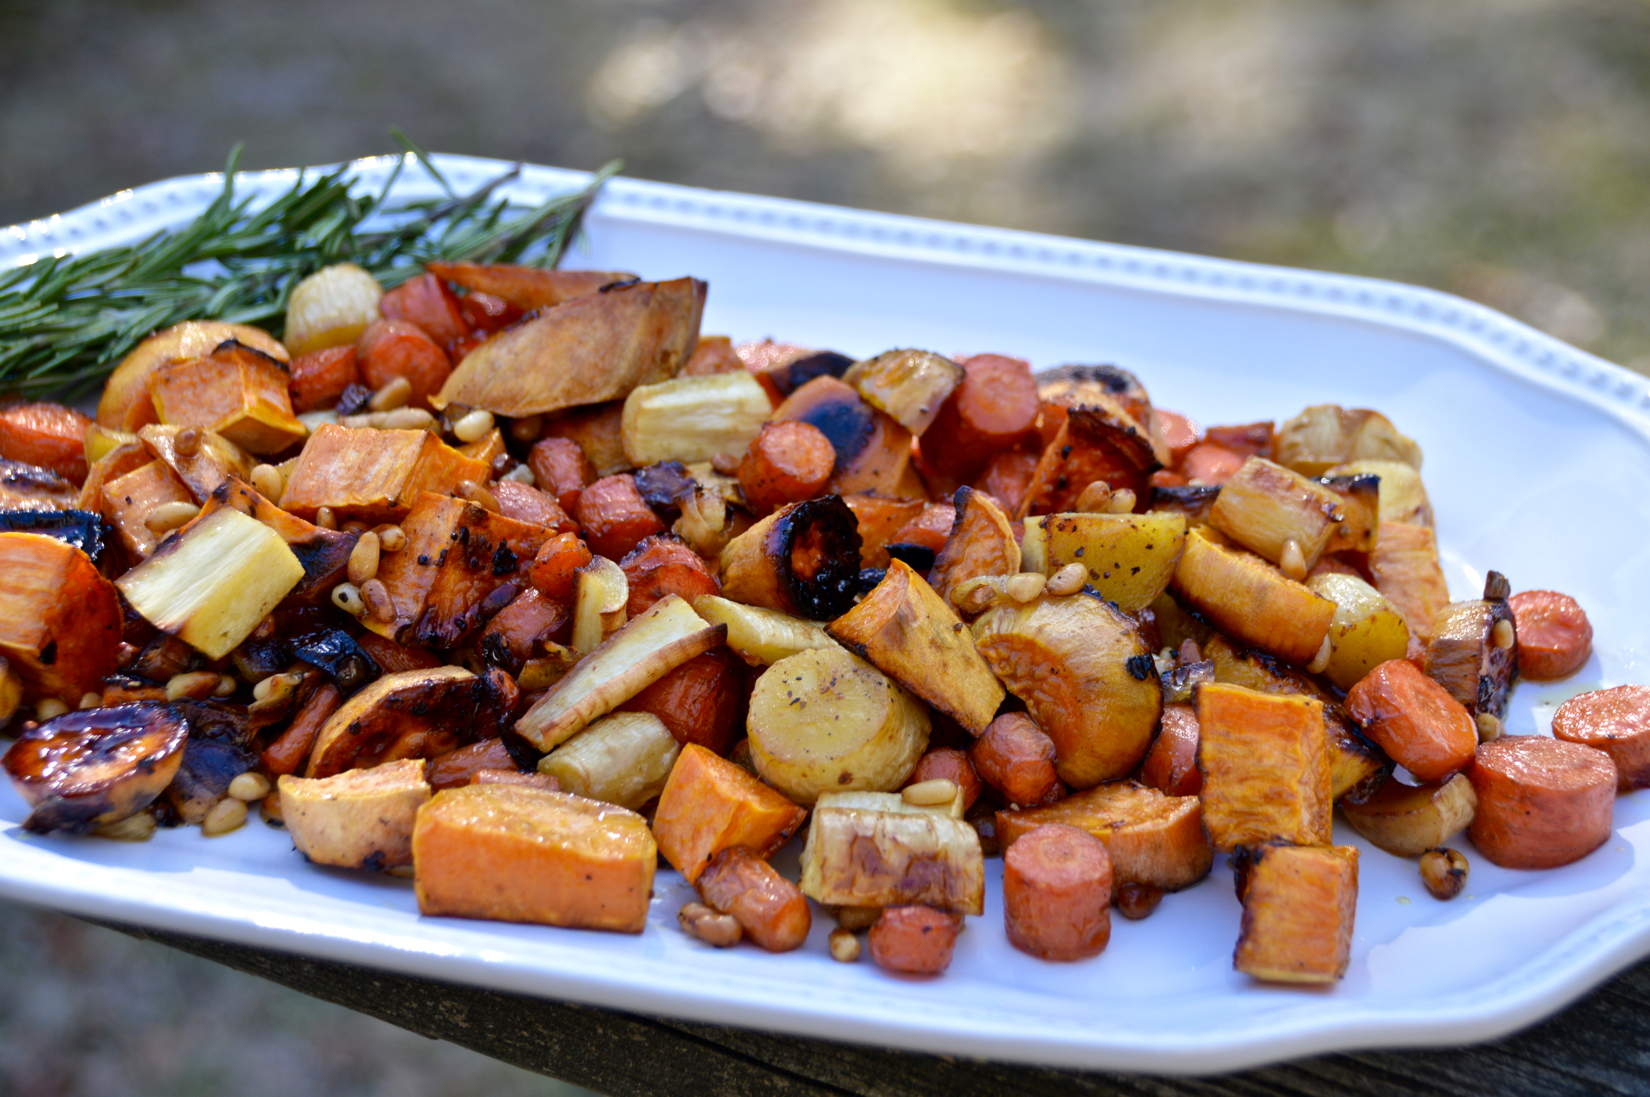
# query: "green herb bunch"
x,y
65,322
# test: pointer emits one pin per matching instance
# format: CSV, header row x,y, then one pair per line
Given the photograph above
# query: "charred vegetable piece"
x,y
1278,514
359,819
1152,838
1407,820
868,849
1357,767
873,452
791,370
96,766
981,542
201,464
412,714
60,620
1194,503
1467,656
909,385
1086,677
84,530
1298,906
802,559
1093,444
210,762
1265,765
1327,435
126,404
1360,510
336,652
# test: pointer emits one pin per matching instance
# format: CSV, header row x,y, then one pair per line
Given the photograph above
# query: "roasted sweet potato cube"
x,y
359,819
457,554
1152,838
518,854
59,618
509,638
1265,764
129,500
1298,906
710,804
373,475
412,714
236,391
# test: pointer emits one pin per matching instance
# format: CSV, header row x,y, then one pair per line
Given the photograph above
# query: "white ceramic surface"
x,y
1538,460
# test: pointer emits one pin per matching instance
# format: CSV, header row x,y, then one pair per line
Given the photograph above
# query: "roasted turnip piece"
x,y
60,620
96,766
458,553
1367,629
1265,765
1404,567
869,849
1093,444
1474,654
873,452
1327,435
909,385
527,288
1251,600
1400,494
412,714
359,819
638,655
906,630
237,391
1408,820
693,418
803,559
373,475
762,637
1085,675
981,542
213,584
592,348
324,553
84,530
1278,514
1130,558
203,466
1298,906
621,759
1152,838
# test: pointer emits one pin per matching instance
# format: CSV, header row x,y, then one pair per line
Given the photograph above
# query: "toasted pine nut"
x,y
347,597
976,595
854,919
1068,580
927,794
271,807
394,394
326,519
90,700
1293,561
376,597
1321,660
1489,728
478,495
187,442
249,787
409,419
226,685
1444,872
170,516
268,482
224,816
713,928
391,539
276,686
473,426
197,685
49,708
1503,634
1121,502
521,474
1094,498
354,526
1025,586
527,428
844,946
136,828
363,559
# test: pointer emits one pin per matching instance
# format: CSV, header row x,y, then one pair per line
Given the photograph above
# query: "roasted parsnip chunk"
x,y
824,720
1085,675
875,850
909,385
60,620
1130,557
1360,510
621,759
412,714
1298,906
803,559
1327,435
324,553
762,637
1408,820
1251,600
1367,629
639,654
1152,838
693,418
96,766
373,475
908,632
599,601
211,585
1257,670
518,854
1265,765
1467,657
362,818
1266,508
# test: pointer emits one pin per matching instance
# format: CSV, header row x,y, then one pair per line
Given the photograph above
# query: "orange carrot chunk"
x,y
50,436
615,517
1057,893
702,701
914,940
427,302
1171,763
1541,802
659,566
395,348
1016,758
561,469
995,406
319,378
952,765
1554,636
1616,721
290,750
787,462
1414,719
554,570
768,907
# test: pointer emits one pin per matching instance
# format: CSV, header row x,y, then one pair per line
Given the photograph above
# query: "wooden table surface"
x,y
1601,1044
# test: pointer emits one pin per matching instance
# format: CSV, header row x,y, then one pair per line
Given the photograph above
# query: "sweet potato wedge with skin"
x,y
1130,557
1408,820
1152,838
117,462
589,349
129,500
1251,600
1265,765
1086,677
60,620
361,818
981,542
527,288
911,634
1465,657
1404,567
373,475
1093,444
518,854
873,452
236,391
875,850
639,654
1298,906
412,714
710,804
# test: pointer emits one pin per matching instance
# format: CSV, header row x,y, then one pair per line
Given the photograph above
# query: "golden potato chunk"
x,y
1130,557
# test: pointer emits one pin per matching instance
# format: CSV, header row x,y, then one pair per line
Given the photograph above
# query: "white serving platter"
x,y
1538,462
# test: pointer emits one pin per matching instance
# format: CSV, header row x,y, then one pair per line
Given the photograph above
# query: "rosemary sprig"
x,y
66,321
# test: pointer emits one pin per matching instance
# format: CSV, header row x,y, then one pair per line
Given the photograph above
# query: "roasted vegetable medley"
x,y
510,581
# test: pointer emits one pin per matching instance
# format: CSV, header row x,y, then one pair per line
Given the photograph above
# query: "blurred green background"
x,y
1497,149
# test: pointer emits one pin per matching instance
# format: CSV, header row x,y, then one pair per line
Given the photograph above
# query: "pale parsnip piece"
x,y
1403,497
599,605
762,637
1326,435
909,385
1266,508
622,759
867,850
693,418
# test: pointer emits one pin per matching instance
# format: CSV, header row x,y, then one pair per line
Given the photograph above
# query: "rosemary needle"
x,y
66,321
